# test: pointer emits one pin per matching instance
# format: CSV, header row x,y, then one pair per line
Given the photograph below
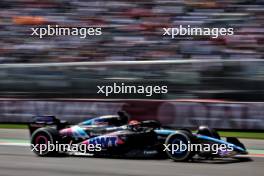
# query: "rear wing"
x,y
43,121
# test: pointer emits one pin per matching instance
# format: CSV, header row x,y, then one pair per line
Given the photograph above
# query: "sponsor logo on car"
x,y
105,141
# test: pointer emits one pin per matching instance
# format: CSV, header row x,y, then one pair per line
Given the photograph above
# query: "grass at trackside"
x,y
13,126
249,135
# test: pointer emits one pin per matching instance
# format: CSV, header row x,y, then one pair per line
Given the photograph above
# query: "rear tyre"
x,y
41,140
175,141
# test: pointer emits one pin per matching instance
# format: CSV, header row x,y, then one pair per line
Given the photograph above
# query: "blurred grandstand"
x,y
132,30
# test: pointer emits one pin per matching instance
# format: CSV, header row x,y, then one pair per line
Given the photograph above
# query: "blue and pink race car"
x,y
118,136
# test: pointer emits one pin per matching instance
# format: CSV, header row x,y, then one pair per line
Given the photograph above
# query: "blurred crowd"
x,y
132,30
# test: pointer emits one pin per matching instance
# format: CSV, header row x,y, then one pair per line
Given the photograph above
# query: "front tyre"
x,y
42,139
178,146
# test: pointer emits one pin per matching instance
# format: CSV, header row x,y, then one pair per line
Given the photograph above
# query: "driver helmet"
x,y
134,122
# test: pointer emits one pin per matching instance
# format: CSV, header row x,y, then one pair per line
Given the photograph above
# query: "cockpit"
x,y
109,120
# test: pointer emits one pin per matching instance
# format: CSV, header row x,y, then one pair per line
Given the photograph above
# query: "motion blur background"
x,y
132,30
229,68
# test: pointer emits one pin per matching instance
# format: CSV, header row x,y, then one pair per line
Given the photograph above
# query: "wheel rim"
x,y
182,153
41,140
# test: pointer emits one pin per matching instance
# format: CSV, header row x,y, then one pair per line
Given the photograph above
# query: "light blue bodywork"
x,y
201,137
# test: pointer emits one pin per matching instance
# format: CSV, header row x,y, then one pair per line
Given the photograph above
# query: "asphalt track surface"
x,y
20,161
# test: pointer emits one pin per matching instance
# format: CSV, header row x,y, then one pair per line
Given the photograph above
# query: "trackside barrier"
x,y
174,113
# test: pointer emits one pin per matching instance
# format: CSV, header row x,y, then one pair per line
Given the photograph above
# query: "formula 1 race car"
x,y
116,135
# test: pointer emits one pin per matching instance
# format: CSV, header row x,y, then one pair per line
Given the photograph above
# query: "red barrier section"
x,y
174,113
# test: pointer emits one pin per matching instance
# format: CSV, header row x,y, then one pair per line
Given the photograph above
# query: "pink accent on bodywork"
x,y
66,132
